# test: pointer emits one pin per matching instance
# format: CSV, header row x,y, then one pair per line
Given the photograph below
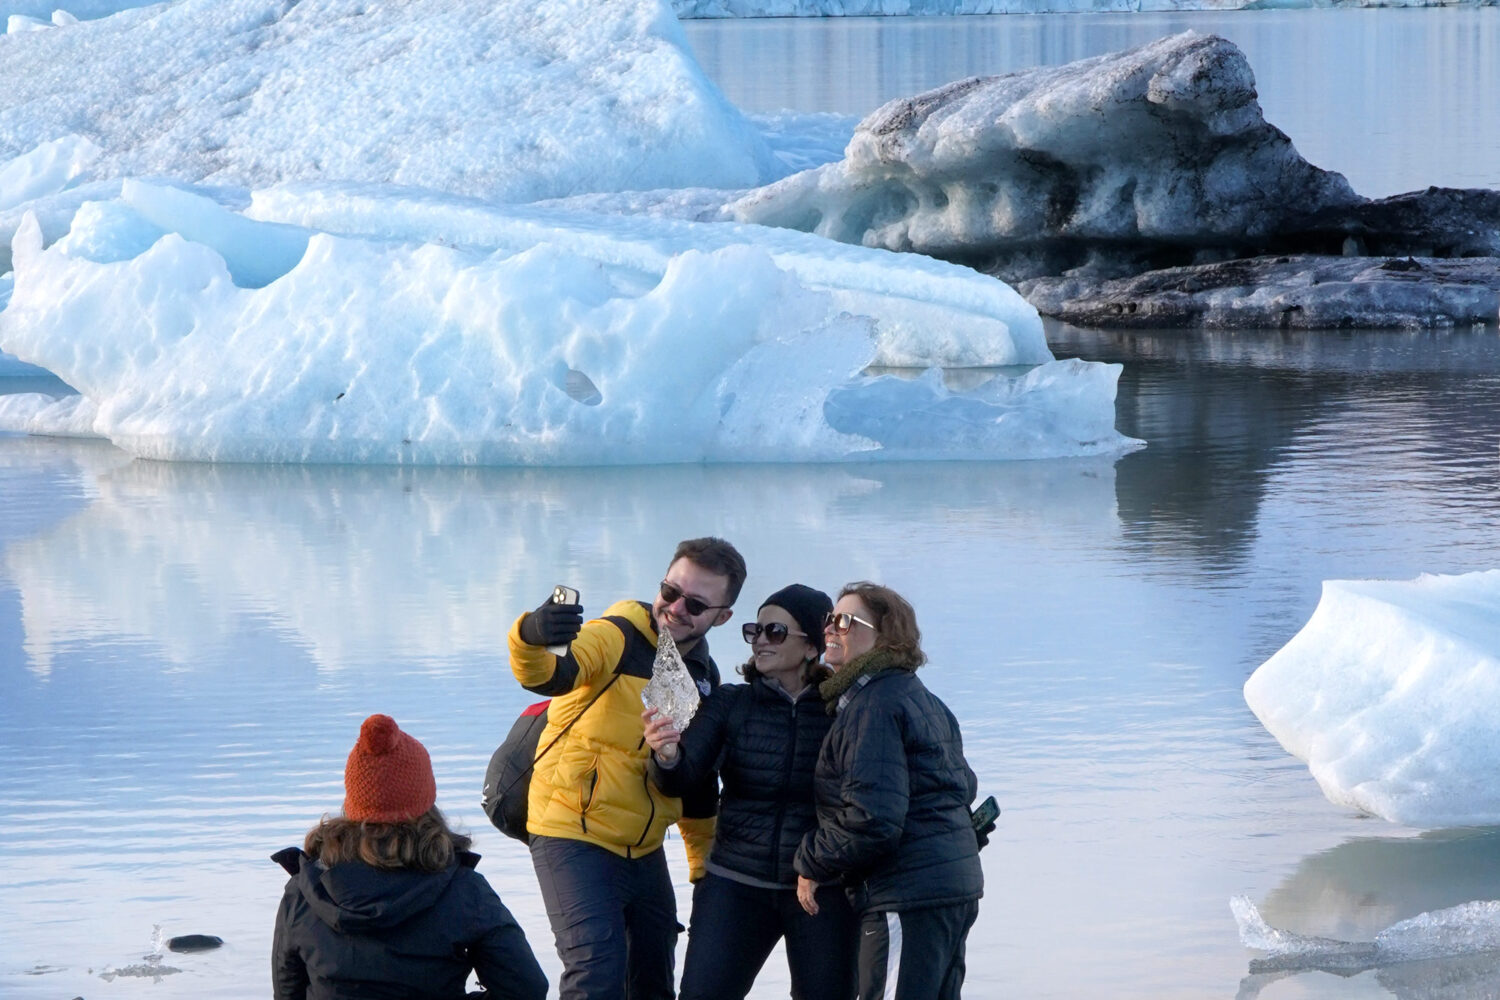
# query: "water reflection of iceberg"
x,y
1439,954
1403,907
427,566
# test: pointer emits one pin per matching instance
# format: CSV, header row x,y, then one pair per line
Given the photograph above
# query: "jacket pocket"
x,y
588,788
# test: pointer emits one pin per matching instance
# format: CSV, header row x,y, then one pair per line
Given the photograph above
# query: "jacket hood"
x,y
354,897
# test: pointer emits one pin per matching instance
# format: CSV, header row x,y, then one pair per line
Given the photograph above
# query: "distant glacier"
x,y
17,15
689,9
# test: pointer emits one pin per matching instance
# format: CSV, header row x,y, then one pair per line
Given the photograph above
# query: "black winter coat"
x,y
893,793
765,748
357,931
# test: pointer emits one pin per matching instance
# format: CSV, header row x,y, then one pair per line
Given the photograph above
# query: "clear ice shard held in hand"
x,y
671,689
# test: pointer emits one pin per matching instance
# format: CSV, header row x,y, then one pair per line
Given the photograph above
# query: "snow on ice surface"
x,y
507,101
1388,694
459,334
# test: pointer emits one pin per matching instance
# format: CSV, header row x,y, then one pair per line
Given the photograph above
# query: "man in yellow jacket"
x,y
596,821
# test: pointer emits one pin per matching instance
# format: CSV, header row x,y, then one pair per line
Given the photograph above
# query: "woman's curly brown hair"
x,y
896,629
424,844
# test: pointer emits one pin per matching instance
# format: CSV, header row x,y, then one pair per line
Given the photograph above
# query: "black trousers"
x,y
614,919
735,926
914,954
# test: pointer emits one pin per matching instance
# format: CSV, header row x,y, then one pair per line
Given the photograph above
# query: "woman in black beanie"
x,y
763,738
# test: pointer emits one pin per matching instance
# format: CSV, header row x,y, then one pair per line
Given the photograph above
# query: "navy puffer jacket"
x,y
765,748
893,793
356,931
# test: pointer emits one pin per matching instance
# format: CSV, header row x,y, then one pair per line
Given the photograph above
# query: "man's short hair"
x,y
716,556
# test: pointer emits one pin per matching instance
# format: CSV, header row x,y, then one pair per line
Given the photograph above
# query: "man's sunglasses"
x,y
842,622
695,607
776,632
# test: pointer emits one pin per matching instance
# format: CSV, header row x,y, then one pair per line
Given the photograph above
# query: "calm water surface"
x,y
186,651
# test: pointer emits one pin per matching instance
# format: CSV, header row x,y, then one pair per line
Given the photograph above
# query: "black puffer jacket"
x,y
357,931
765,748
893,793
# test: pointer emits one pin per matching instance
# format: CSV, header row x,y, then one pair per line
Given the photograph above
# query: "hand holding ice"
x,y
671,689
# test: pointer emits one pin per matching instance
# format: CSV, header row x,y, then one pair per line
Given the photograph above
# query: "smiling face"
x,y
860,639
702,586
786,660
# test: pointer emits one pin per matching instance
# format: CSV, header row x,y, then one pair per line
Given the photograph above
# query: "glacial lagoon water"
x,y
186,651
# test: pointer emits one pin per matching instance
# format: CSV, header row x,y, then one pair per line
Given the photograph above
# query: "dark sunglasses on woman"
x,y
776,632
695,607
842,622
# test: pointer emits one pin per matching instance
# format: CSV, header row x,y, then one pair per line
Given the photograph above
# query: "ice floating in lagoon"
x,y
671,689
1388,694
463,335
508,101
1457,930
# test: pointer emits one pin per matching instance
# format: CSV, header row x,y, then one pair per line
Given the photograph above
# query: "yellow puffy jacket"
x,y
593,785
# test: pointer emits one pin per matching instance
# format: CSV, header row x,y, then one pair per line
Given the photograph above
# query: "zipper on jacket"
x,y
786,772
583,814
646,787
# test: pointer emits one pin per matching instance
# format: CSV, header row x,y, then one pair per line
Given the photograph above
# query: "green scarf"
x,y
866,663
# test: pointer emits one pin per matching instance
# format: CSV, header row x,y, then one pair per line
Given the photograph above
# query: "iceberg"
x,y
441,331
508,101
1105,166
486,251
1386,694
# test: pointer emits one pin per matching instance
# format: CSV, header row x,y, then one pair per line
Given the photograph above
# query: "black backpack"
x,y
507,781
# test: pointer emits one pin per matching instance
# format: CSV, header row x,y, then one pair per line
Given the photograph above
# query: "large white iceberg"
x,y
507,101
464,333
278,232
1388,694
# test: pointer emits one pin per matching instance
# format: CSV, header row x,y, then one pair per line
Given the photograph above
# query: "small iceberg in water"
x,y
1387,694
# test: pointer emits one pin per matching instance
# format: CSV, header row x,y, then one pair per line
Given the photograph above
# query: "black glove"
x,y
982,834
552,624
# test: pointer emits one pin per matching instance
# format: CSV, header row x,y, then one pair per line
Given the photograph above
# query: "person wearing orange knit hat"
x,y
385,898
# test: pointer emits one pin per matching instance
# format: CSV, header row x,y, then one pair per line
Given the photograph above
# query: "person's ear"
x,y
724,615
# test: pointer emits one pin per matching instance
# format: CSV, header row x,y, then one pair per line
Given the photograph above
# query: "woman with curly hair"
x,y
384,900
893,793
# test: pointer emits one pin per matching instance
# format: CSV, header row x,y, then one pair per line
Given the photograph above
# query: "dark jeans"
x,y
735,926
922,951
614,918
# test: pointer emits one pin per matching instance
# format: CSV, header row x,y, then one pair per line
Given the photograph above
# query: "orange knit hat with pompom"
x,y
388,778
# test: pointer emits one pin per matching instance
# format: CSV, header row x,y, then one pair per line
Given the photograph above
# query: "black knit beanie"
x,y
807,606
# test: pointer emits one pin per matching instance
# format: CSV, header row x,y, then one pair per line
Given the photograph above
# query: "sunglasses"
x,y
776,632
671,594
842,622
